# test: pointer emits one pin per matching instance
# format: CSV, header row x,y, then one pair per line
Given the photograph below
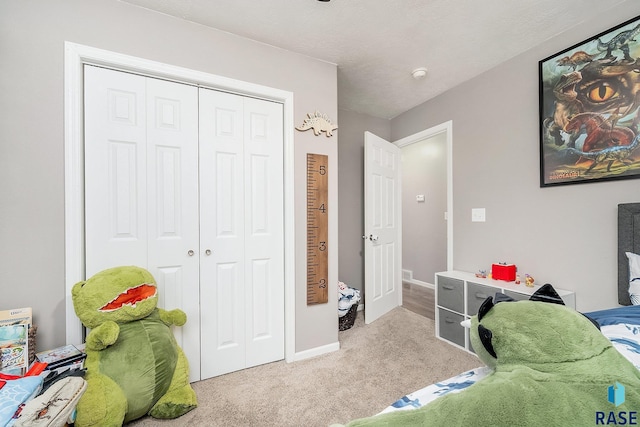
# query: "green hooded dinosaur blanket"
x,y
552,367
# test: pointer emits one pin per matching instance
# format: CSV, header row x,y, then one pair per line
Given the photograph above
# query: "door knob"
x,y
208,252
371,237
191,252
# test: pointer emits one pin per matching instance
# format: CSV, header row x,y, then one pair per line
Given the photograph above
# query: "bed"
x,y
621,325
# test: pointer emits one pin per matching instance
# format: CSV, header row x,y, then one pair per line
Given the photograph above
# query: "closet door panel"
x,y
141,186
172,198
264,231
224,193
115,176
222,269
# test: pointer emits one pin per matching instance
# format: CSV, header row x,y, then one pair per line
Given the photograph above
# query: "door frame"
x,y
447,128
76,56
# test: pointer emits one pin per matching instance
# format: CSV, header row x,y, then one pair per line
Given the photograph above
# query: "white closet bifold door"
x,y
141,187
188,183
241,214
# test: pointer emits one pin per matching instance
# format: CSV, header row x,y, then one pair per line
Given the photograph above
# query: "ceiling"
x,y
376,44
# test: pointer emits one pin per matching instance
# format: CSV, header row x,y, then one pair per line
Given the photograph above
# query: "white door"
x,y
172,200
143,194
115,148
141,187
382,227
242,278
264,231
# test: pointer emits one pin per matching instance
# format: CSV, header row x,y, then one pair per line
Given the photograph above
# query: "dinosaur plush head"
x,y
120,294
534,332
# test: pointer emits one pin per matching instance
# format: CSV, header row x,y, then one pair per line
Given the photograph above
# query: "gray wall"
x,y
424,229
563,235
351,190
32,232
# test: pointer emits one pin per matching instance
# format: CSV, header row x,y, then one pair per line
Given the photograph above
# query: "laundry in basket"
x,y
346,298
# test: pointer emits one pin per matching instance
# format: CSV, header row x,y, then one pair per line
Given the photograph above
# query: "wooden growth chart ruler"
x,y
317,229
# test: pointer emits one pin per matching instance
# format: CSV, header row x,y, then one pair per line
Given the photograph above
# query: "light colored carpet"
x,y
376,365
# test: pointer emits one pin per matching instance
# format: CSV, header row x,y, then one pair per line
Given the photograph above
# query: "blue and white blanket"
x,y
346,298
621,325
432,392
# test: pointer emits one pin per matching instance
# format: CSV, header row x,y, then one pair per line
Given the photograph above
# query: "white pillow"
x,y
634,277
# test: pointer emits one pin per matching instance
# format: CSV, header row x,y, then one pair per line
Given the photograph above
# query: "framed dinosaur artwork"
x,y
590,109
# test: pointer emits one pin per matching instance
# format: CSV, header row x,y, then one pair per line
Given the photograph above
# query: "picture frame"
x,y
590,109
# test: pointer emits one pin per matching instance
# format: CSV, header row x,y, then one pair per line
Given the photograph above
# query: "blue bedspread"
x,y
628,314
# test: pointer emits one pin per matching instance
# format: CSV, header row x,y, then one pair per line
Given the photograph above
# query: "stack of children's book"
x,y
60,359
14,341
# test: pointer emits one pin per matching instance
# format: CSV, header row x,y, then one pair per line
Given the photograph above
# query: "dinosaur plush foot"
x,y
103,404
175,403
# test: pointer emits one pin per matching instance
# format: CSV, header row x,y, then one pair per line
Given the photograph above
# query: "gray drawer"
x,y
450,293
450,328
516,295
476,294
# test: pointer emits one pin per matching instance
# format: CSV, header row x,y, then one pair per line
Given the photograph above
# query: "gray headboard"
x,y
628,241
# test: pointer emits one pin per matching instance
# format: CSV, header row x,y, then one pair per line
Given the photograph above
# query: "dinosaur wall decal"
x,y
319,123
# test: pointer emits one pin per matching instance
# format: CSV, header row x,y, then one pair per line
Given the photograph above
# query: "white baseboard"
x,y
317,351
407,276
420,283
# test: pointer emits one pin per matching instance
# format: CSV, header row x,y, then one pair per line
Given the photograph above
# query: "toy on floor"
x,y
134,365
529,280
552,366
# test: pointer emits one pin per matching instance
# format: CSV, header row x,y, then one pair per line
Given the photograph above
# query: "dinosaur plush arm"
x,y
103,336
173,317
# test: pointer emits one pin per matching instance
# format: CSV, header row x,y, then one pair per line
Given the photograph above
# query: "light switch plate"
x,y
420,198
478,215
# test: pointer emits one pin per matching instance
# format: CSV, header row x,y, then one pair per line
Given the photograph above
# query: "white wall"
x,y
32,36
566,235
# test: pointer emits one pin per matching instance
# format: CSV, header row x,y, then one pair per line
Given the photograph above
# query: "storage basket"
x,y
32,343
345,322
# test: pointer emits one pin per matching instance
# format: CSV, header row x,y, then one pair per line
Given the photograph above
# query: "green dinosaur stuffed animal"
x,y
552,367
134,365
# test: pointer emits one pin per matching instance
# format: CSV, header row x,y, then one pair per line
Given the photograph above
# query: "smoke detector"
x,y
419,73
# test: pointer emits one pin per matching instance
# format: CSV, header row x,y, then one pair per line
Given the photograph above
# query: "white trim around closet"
x,y
76,56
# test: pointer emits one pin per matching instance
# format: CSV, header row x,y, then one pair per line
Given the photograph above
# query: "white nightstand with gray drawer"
x,y
459,295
